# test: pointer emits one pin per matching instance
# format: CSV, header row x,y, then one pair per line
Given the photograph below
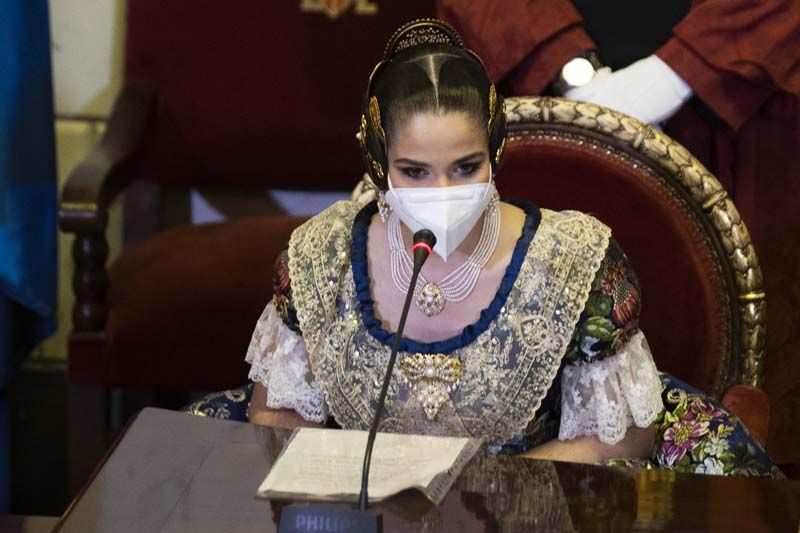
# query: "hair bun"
x,y
420,32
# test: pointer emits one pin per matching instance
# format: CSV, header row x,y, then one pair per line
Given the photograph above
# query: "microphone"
x,y
306,518
424,241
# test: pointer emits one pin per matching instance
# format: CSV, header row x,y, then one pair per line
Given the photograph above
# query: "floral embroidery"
x,y
697,435
682,437
614,275
611,314
227,405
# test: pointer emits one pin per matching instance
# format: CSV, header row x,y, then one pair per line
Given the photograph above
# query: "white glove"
x,y
648,90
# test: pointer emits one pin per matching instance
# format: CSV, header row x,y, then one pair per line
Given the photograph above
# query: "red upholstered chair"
x,y
254,93
703,301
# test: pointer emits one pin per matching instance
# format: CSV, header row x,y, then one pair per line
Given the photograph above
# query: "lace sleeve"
x,y
279,361
606,397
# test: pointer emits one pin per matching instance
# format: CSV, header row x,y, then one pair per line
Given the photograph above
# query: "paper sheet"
x,y
325,464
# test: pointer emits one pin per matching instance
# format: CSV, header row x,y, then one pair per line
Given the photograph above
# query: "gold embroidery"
x,y
506,371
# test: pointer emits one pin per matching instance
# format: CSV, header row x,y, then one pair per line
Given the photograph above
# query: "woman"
x,y
524,330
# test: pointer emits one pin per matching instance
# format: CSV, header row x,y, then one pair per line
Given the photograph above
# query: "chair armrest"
x,y
101,175
83,208
751,406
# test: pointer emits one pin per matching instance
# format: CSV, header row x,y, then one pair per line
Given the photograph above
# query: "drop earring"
x,y
383,207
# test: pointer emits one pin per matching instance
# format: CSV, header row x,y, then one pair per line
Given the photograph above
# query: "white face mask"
x,y
449,212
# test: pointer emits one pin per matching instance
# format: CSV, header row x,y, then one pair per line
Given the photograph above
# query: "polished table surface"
x,y
175,472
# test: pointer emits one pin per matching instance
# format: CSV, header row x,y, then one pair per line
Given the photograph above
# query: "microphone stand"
x,y
424,241
307,518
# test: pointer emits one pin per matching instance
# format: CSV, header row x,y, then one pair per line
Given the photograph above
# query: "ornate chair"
x,y
703,301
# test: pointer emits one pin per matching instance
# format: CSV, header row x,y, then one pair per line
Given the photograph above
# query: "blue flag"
x,y
28,263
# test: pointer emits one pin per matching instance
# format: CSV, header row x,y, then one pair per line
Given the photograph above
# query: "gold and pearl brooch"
x,y
431,377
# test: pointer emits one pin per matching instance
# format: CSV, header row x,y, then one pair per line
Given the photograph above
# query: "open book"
x,y
325,465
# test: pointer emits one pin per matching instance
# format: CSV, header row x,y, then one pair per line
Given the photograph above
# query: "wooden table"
x,y
175,472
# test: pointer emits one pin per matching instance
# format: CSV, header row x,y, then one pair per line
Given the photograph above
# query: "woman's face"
x,y
438,150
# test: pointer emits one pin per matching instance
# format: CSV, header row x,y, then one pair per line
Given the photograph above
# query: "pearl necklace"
x,y
431,297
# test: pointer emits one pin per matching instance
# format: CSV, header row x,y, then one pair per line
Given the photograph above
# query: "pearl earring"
x,y
383,207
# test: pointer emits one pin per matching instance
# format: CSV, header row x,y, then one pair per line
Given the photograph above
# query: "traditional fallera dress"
x,y
557,353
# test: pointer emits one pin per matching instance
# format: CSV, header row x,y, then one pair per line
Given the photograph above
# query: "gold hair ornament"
x,y
419,32
362,131
492,105
375,116
499,154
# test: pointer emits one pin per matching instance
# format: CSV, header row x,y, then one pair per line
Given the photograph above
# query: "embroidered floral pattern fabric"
x,y
611,315
696,434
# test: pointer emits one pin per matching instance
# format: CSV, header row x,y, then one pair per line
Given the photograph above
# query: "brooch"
x,y
431,377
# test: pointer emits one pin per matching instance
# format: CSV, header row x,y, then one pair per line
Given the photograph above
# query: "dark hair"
x,y
425,69
432,78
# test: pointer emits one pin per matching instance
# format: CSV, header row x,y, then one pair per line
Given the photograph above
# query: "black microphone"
x,y
306,518
424,241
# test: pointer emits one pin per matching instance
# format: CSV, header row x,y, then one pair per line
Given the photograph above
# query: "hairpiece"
x,y
419,32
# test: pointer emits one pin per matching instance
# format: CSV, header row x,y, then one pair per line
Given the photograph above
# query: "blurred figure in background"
x,y
722,77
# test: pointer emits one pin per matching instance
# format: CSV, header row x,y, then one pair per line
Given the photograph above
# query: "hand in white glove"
x,y
648,90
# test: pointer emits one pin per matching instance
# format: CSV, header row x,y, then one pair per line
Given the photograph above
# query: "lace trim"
x,y
279,361
605,398
508,369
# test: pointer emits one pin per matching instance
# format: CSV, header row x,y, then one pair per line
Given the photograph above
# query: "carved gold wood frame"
x,y
696,189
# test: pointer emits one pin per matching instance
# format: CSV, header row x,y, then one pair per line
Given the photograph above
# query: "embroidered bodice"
x,y
565,305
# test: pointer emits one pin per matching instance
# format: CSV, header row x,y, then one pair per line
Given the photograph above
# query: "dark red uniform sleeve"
x,y
524,42
735,53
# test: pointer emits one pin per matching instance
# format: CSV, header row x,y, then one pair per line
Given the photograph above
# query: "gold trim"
x,y
716,197
752,297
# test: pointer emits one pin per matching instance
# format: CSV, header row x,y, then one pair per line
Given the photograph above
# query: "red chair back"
x,y
635,180
258,92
